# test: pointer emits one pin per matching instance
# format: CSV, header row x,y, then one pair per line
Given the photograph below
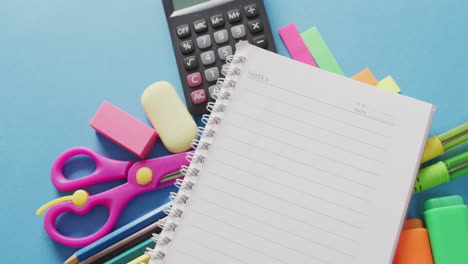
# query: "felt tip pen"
x,y
442,172
437,145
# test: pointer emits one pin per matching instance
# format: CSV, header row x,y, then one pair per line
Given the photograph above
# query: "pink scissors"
x,y
143,176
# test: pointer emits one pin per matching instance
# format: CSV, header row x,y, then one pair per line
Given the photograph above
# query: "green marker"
x,y
447,223
442,172
437,145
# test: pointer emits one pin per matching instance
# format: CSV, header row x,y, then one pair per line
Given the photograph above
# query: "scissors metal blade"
x,y
172,176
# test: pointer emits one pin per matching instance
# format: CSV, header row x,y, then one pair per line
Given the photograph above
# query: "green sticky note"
x,y
389,84
320,51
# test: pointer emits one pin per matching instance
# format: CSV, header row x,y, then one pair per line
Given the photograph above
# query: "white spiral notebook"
x,y
295,165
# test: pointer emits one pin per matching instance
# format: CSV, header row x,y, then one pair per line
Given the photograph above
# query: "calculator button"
x,y
204,42
238,31
255,26
212,90
212,74
225,51
260,41
190,63
183,31
217,21
194,79
199,96
186,46
200,26
221,36
234,16
251,11
208,57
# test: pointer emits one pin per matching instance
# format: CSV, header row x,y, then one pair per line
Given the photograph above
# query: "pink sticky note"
x,y
124,130
295,44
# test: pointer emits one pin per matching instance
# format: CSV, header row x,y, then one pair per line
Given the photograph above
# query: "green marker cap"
x,y
447,223
442,172
432,176
444,202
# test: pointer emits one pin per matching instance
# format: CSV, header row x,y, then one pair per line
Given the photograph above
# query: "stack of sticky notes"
x,y
309,47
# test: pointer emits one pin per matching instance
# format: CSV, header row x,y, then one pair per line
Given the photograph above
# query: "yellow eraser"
x,y
169,116
365,76
389,84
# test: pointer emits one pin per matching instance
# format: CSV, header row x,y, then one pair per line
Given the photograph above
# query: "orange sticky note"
x,y
365,76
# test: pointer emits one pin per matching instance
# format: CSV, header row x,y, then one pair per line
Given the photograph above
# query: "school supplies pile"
x,y
142,176
310,48
449,246
346,156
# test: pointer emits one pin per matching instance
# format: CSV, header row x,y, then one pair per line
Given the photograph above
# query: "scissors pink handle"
x,y
106,170
115,199
115,207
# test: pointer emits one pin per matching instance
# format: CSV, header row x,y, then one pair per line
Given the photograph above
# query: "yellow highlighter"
x,y
141,259
437,145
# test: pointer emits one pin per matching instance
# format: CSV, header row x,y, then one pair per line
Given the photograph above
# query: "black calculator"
x,y
204,33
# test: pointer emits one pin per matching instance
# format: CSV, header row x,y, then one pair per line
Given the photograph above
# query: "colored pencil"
x,y
132,253
123,245
117,235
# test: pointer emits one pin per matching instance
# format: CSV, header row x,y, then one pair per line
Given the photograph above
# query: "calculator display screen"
x,y
181,4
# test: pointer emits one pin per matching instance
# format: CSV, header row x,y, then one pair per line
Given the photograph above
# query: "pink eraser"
x,y
124,130
295,44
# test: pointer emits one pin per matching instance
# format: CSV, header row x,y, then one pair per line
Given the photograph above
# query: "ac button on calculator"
x,y
204,33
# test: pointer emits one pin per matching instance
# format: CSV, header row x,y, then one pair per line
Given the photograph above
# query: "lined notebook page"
x,y
306,167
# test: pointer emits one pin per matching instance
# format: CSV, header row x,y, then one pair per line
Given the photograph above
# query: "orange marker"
x,y
365,76
414,246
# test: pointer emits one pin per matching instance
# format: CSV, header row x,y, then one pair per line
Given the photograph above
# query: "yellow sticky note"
x,y
389,84
365,76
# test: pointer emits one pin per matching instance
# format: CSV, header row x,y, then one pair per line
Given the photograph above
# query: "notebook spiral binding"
x,y
222,94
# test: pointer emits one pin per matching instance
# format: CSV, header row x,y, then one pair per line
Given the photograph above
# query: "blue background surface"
x,y
60,59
